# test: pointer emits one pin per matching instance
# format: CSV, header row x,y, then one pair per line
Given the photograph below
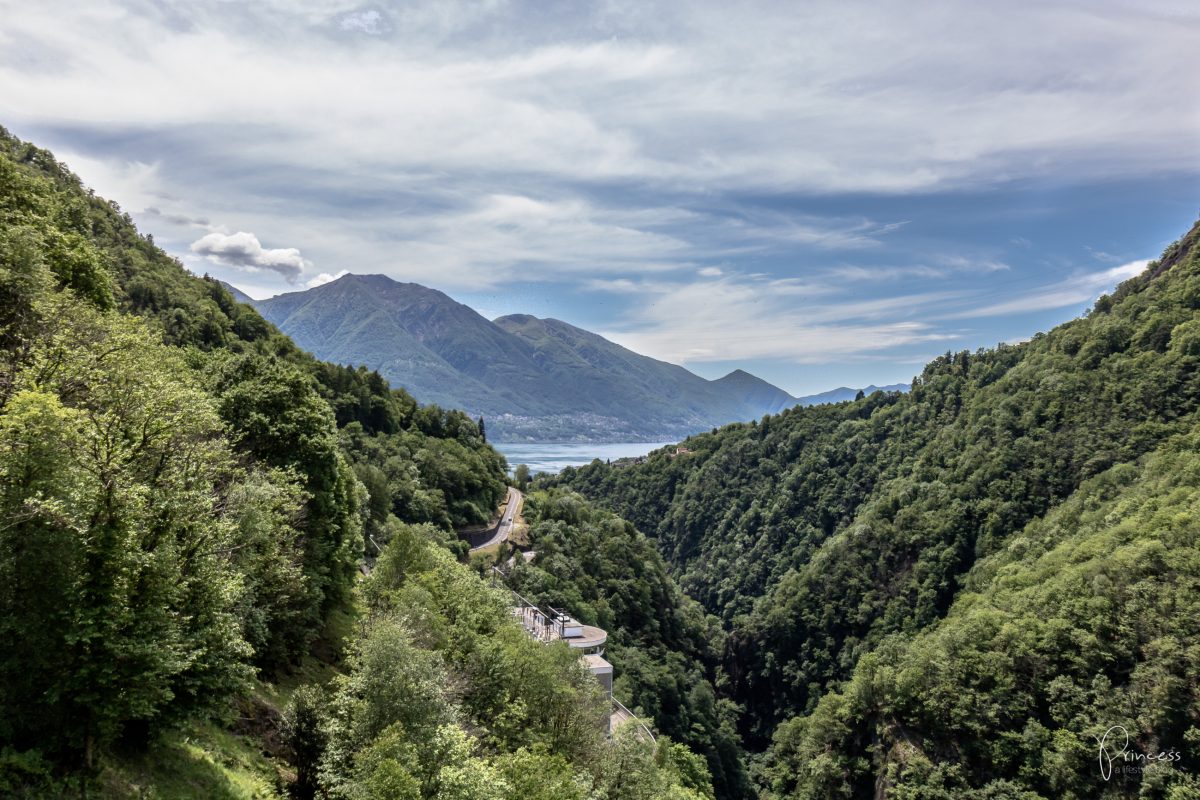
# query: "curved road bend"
x,y
513,505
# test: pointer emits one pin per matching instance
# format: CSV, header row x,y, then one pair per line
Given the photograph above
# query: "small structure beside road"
x,y
549,625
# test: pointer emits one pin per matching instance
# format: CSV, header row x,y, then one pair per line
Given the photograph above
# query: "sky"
x,y
823,194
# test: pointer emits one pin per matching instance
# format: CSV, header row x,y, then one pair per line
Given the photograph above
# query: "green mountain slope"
x,y
823,531
349,322
532,378
1086,624
665,650
605,375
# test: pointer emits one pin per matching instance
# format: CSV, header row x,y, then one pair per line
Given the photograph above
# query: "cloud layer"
x,y
581,155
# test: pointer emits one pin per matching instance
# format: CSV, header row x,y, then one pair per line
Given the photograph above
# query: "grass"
x,y
321,663
205,761
233,762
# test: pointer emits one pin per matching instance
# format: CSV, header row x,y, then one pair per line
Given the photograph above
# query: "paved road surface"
x,y
515,499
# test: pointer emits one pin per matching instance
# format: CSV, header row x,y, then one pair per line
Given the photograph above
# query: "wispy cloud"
x,y
1077,290
183,220
780,184
753,317
733,316
370,21
879,99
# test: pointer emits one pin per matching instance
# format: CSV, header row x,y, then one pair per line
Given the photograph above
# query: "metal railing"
x,y
642,727
545,625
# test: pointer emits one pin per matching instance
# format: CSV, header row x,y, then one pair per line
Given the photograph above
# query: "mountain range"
x,y
533,379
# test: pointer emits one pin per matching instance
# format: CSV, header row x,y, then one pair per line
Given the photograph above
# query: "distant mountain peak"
x,y
518,366
533,378
519,319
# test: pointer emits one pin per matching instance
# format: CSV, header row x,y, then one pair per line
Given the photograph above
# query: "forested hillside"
x,y
922,588
664,648
186,500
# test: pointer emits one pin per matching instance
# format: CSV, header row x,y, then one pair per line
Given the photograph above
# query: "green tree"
x,y
303,731
278,416
114,556
521,476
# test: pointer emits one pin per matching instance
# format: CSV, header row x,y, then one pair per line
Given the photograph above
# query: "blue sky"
x,y
821,193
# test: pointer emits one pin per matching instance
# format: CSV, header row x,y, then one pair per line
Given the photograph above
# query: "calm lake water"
x,y
548,457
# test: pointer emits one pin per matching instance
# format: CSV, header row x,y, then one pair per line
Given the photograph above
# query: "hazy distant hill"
x,y
843,393
594,366
755,392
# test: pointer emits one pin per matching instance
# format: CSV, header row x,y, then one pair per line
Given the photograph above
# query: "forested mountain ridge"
x,y
187,498
532,378
828,536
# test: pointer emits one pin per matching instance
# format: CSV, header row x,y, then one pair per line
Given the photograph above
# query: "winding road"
x,y
512,507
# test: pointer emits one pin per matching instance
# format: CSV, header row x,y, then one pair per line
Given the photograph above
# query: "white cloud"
x,y
370,22
242,250
493,141
325,278
938,267
733,317
710,272
965,264
501,237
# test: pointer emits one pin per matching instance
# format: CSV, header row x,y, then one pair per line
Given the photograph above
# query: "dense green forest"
x,y
666,651
950,592
188,504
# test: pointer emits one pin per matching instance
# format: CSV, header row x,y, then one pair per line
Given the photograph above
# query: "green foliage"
x,y
276,414
440,470
279,602
178,503
1090,618
113,557
521,476
303,733
447,697
664,650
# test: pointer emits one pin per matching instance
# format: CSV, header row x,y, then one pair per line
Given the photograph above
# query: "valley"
x,y
599,401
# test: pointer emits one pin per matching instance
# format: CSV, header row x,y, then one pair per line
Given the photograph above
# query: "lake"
x,y
550,457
